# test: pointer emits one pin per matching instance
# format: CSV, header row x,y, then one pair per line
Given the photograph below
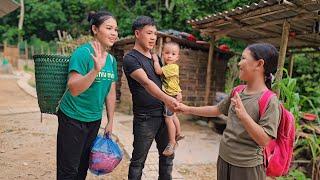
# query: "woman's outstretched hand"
x,y
182,108
99,56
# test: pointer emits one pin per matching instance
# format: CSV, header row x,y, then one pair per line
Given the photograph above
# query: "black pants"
x,y
146,128
74,142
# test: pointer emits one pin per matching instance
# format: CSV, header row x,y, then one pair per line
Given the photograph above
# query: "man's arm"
x,y
140,76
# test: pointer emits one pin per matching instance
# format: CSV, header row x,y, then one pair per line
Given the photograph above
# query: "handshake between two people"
x,y
175,105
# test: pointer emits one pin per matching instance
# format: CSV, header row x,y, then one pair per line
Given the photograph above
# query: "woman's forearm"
x,y
111,103
206,111
78,83
255,131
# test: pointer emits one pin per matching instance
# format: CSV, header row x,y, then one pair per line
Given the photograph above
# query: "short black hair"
x,y
141,22
97,18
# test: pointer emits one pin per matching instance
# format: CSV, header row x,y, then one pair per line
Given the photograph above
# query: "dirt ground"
x,y
28,147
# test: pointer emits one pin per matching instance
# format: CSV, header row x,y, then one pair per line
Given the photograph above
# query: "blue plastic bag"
x,y
105,155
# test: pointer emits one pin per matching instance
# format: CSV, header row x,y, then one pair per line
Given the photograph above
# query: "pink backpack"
x,y
278,152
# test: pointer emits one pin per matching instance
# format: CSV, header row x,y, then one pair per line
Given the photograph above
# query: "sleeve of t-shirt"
x,y
170,70
224,105
115,69
79,61
130,64
271,118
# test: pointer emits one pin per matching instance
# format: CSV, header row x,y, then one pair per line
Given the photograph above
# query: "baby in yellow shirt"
x,y
170,77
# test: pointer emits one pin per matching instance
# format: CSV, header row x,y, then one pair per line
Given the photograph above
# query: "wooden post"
x,y
291,59
32,51
160,46
209,72
282,53
26,50
63,49
42,50
59,35
5,45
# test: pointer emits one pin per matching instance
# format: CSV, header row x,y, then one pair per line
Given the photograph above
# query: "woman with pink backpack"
x,y
254,115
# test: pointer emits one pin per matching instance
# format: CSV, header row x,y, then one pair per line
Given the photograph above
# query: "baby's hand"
x,y
155,57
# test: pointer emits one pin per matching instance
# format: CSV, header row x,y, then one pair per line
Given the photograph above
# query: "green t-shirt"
x,y
88,105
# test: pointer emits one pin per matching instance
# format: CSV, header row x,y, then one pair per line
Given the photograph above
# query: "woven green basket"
x,y
51,74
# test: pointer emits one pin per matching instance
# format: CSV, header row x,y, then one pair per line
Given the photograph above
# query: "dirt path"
x,y
28,147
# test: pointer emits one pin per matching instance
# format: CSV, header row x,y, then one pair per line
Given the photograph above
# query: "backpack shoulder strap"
x,y
264,101
237,89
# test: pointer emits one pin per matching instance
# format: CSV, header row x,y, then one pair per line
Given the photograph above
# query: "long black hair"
x,y
269,54
97,18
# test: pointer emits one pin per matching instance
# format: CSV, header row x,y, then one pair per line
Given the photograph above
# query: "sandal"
x,y
179,137
169,150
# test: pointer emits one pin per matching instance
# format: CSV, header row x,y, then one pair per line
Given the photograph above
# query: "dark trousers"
x,y
74,141
227,171
146,128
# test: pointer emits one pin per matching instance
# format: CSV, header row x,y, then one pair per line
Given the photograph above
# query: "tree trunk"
x,y
21,18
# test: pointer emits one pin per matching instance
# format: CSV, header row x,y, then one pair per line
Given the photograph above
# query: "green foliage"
x,y
294,174
10,35
307,72
43,17
289,96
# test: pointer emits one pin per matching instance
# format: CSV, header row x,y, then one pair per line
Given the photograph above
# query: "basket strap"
x,y
57,108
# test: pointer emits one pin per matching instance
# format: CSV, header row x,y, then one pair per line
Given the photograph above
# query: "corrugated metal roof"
x,y
7,6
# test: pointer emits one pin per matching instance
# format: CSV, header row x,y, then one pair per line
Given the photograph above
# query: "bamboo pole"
x,y
291,59
282,53
209,72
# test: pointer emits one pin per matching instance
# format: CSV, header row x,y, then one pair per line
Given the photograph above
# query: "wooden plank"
x,y
282,53
209,73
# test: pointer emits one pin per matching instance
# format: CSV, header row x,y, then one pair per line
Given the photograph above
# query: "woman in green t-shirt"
x,y
91,83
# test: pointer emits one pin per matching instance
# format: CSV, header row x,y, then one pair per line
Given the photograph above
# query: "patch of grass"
x,y
28,69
